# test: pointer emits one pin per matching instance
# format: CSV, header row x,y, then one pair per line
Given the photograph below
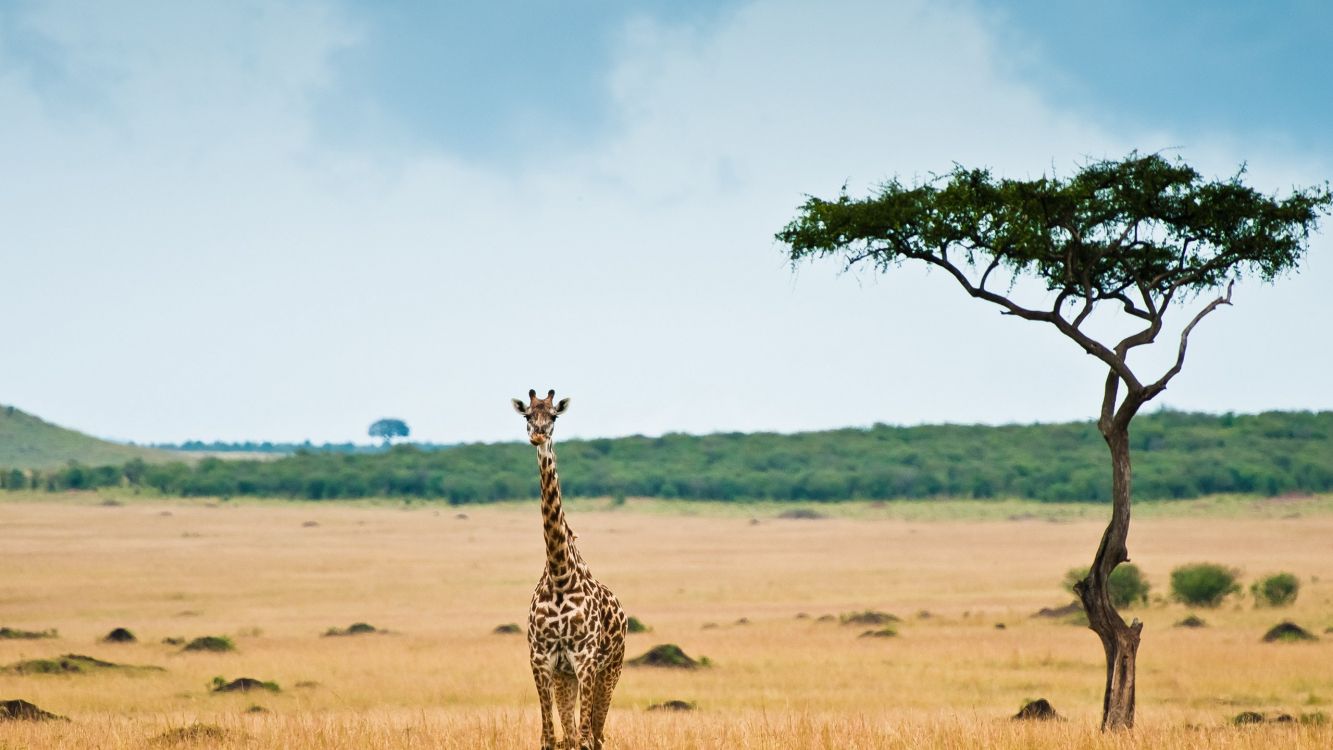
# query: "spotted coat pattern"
x,y
576,626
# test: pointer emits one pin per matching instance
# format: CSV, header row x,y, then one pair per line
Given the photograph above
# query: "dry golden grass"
x,y
258,573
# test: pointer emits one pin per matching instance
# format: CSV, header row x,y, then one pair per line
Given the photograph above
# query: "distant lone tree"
x,y
387,429
1137,237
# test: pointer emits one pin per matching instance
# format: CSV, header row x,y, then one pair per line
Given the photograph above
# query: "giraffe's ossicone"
x,y
576,627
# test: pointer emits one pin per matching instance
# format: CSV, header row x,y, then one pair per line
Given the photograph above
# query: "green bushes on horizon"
x,y
1176,455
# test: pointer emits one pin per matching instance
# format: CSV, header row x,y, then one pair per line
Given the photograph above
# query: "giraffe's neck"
x,y
562,560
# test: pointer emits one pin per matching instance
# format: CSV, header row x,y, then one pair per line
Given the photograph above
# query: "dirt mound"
x,y
192,733
510,628
119,635
868,617
21,710
68,664
216,643
672,706
1055,613
243,685
1316,719
1193,621
13,633
356,628
1038,710
1288,632
665,655
27,635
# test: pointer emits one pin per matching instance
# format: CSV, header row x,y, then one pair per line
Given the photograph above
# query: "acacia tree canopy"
x,y
388,428
1116,231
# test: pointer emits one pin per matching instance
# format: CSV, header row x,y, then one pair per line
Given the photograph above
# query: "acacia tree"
x,y
387,429
1140,236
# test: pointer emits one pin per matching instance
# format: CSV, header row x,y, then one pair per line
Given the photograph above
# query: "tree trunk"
x,y
1120,641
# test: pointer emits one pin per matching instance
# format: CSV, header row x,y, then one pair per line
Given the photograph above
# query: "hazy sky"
x,y
283,220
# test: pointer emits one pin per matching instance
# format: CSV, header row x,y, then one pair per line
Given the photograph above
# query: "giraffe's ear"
x,y
561,406
519,406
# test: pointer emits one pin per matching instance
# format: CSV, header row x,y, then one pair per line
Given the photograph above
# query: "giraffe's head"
x,y
540,414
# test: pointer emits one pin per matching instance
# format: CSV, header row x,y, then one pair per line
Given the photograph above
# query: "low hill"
x,y
27,442
1176,455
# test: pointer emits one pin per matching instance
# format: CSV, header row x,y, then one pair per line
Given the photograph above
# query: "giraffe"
x,y
576,627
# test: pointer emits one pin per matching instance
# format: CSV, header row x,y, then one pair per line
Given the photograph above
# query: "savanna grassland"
x,y
274,576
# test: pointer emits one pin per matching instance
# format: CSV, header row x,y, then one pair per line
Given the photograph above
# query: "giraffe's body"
x,y
576,627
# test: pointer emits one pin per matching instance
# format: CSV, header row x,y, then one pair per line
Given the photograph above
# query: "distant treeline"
x,y
251,446
1176,455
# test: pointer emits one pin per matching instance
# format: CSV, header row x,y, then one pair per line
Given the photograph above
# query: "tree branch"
x,y
1010,307
1160,385
1109,393
1089,345
995,261
1085,312
1130,307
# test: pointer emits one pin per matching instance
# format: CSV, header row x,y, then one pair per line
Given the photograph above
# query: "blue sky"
x,y
1257,72
285,220
490,81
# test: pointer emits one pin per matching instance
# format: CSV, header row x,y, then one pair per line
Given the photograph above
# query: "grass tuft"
x,y
214,643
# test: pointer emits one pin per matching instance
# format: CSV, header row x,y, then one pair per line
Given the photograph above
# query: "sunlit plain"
x,y
275,576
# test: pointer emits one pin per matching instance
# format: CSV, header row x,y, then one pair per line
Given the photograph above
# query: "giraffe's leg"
x,y
541,674
608,675
585,668
606,684
566,693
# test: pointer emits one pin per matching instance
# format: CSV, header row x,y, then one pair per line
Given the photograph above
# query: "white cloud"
x,y
198,264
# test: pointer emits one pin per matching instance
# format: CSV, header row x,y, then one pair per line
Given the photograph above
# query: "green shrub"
x,y
1126,585
1203,584
1277,590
